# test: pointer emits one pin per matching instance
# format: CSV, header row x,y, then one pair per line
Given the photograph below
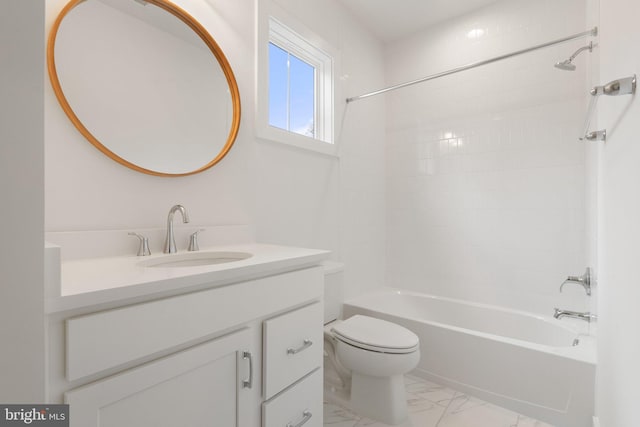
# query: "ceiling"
x,y
391,20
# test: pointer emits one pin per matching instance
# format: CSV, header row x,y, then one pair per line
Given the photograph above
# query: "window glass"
x,y
291,92
302,97
278,86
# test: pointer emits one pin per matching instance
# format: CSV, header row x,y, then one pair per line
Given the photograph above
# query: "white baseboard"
x,y
596,422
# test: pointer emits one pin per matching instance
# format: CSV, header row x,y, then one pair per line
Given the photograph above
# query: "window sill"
x,y
300,142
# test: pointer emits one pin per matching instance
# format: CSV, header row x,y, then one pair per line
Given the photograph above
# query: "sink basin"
x,y
195,259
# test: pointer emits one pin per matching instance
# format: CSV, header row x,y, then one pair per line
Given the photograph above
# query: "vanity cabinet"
x,y
206,385
227,356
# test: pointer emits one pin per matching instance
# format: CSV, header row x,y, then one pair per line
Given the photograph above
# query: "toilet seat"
x,y
377,335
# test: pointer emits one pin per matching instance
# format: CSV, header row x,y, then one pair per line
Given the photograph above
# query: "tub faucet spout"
x,y
170,241
559,314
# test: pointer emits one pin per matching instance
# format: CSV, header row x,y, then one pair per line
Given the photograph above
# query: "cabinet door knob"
x,y
248,383
306,417
306,344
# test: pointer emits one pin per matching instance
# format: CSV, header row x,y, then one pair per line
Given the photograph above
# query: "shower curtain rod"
x,y
591,32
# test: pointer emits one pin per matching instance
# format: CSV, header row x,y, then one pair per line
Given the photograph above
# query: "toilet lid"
x,y
376,335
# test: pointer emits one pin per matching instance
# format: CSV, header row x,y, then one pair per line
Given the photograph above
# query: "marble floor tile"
x,y
431,391
337,416
466,411
433,405
463,402
366,422
423,412
530,422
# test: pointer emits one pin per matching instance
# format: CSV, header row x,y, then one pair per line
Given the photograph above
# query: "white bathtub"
x,y
518,360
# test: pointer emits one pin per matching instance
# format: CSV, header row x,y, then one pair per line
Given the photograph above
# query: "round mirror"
x,y
150,92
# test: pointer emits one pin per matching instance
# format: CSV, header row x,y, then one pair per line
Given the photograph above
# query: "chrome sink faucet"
x,y
559,314
170,241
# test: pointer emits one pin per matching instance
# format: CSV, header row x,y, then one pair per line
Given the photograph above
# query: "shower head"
x,y
567,65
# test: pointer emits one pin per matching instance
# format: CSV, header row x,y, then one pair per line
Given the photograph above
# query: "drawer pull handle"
x,y
306,344
248,383
307,416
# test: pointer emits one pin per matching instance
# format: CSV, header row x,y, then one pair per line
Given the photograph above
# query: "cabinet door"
x,y
198,387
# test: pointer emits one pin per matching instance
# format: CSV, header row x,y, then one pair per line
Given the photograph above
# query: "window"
x,y
295,94
292,92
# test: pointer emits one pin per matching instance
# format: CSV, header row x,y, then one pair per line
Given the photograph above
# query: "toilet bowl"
x,y
371,356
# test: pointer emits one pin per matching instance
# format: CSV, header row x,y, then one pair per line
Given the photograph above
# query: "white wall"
x,y
308,199
619,291
85,190
152,129
21,191
486,178
289,196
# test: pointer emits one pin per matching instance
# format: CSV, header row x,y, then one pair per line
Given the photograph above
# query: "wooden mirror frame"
x,y
206,38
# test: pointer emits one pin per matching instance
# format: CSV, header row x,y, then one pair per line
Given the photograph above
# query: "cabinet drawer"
x,y
104,340
292,347
301,405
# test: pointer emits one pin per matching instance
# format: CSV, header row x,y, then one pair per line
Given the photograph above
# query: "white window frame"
x,y
288,34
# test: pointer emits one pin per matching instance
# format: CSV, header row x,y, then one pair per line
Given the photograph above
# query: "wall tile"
x,y
496,216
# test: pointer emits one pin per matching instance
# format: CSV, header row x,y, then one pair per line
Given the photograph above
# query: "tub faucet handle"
x,y
143,249
584,281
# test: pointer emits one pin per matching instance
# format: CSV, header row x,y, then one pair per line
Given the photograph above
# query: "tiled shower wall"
x,y
485,173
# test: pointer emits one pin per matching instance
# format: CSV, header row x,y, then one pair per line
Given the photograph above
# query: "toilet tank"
x,y
333,290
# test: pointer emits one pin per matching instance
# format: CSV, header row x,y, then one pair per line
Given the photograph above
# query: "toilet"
x,y
370,356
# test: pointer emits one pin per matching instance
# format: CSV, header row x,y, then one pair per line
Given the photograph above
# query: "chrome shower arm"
x,y
588,47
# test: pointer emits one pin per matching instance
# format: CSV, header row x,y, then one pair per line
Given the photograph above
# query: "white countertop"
x,y
102,282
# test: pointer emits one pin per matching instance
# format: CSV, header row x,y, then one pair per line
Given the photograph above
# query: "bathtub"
x,y
535,365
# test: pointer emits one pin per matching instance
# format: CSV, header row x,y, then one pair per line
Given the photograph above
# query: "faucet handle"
x,y
193,241
143,249
584,281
